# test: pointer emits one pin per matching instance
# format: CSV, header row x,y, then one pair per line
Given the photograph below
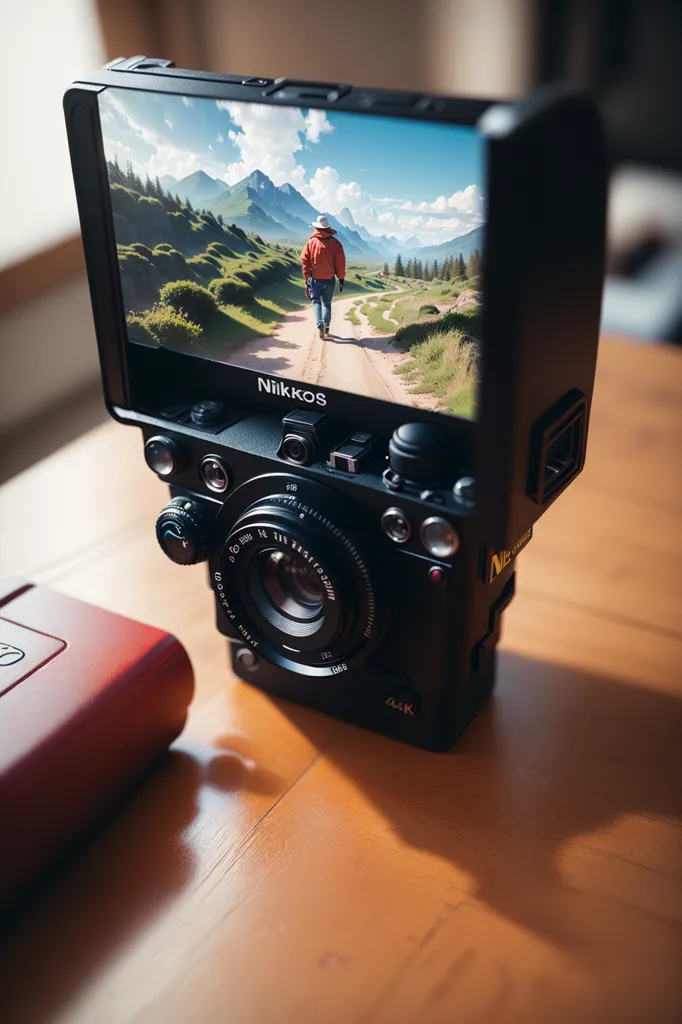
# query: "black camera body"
x,y
361,552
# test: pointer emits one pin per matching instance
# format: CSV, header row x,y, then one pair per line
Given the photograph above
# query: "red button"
x,y
438,576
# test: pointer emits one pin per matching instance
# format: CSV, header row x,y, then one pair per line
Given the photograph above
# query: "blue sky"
x,y
396,177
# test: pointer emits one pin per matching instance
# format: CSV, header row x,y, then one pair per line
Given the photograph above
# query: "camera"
x,y
360,494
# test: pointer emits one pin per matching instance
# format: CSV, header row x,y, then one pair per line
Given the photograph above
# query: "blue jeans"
x,y
321,292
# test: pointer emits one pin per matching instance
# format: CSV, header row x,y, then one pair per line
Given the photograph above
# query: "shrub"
x,y
238,232
139,331
204,270
246,275
219,249
143,250
190,298
169,327
230,291
124,201
210,258
429,310
170,263
138,269
164,247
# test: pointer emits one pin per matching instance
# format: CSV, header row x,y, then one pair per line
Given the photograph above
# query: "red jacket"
x,y
323,256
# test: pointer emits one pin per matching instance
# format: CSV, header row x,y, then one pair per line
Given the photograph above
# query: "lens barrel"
x,y
299,590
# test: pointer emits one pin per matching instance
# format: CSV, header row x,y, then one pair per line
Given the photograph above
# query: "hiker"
x,y
323,260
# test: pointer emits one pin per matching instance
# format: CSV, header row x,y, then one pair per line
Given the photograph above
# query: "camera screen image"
x,y
335,248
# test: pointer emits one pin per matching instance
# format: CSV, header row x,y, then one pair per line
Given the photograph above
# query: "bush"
x,y
210,258
190,298
429,310
246,275
139,332
124,201
204,270
169,327
238,232
230,291
143,250
219,249
138,269
164,247
170,263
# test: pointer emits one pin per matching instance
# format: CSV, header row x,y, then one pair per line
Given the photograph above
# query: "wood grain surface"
x,y
284,867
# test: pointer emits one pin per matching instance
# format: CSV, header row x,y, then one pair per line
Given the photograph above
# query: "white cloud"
x,y
168,121
468,202
149,152
187,101
219,137
316,124
268,139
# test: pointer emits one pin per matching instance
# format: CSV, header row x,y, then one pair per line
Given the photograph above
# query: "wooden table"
x,y
285,867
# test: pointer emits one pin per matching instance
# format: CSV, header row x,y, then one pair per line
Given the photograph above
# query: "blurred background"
x,y
627,53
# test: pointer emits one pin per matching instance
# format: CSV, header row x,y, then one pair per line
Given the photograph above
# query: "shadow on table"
x,y
554,755
131,867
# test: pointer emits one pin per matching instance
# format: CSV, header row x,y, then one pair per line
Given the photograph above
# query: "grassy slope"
x,y
442,363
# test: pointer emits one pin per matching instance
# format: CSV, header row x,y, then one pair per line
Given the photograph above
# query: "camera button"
x,y
396,525
163,455
214,474
439,537
438,576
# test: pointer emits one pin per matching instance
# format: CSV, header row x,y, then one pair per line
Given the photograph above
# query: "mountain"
x,y
463,243
384,245
200,188
280,212
169,183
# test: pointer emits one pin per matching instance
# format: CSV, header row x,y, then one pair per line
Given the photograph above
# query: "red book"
x,y
89,701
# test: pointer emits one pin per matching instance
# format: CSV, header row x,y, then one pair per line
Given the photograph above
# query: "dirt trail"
x,y
354,359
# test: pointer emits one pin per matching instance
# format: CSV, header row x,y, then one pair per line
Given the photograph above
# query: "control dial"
x,y
180,531
419,452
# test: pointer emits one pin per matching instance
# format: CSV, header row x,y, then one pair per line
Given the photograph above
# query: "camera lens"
x,y
296,449
214,473
292,580
291,585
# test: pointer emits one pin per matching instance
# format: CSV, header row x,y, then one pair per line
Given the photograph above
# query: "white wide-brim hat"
x,y
321,222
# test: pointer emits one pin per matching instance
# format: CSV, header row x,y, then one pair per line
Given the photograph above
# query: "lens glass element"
x,y
296,449
291,585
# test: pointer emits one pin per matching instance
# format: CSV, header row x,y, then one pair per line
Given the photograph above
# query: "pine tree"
x,y
148,186
461,269
220,219
158,188
386,270
399,270
418,270
474,264
436,272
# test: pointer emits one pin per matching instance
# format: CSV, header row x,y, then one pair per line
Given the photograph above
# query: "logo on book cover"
x,y
10,655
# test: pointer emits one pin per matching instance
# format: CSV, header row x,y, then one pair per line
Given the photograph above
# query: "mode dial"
x,y
180,531
419,452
